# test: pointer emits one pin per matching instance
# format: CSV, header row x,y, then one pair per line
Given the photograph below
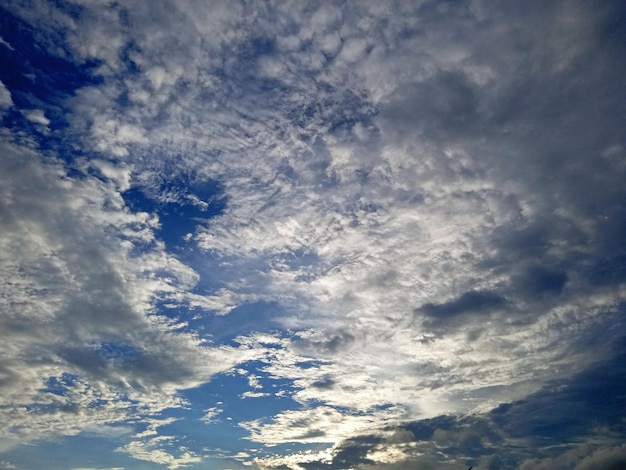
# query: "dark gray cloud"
x,y
445,104
352,454
326,345
579,421
565,410
605,459
468,302
325,383
539,280
535,125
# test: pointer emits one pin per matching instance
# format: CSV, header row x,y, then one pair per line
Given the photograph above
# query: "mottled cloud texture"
x,y
306,235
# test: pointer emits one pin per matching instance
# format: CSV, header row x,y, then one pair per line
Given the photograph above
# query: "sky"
x,y
306,235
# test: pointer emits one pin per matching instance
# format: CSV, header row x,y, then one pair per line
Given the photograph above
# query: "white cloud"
x,y
254,394
295,460
115,137
211,414
147,446
147,451
353,50
119,174
319,424
5,96
37,116
6,44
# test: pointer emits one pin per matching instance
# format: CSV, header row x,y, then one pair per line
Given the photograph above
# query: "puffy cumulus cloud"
x,y
119,174
82,343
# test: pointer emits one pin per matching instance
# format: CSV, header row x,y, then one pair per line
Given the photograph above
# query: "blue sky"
x,y
373,235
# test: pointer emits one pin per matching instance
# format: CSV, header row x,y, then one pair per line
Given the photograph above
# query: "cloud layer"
x,y
386,218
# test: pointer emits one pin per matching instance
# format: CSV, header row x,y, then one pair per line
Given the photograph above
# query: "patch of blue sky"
x,y
243,320
38,80
33,75
219,269
198,435
43,76
59,385
215,329
182,205
86,450
228,388
223,395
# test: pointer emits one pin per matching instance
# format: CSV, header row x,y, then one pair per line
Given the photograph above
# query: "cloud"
x,y
539,280
5,96
468,302
211,414
316,345
83,346
319,424
605,458
569,423
148,445
147,452
120,174
427,196
6,44
37,116
582,457
254,394
91,468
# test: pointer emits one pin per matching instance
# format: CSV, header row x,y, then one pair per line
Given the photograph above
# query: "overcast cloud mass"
x,y
373,235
